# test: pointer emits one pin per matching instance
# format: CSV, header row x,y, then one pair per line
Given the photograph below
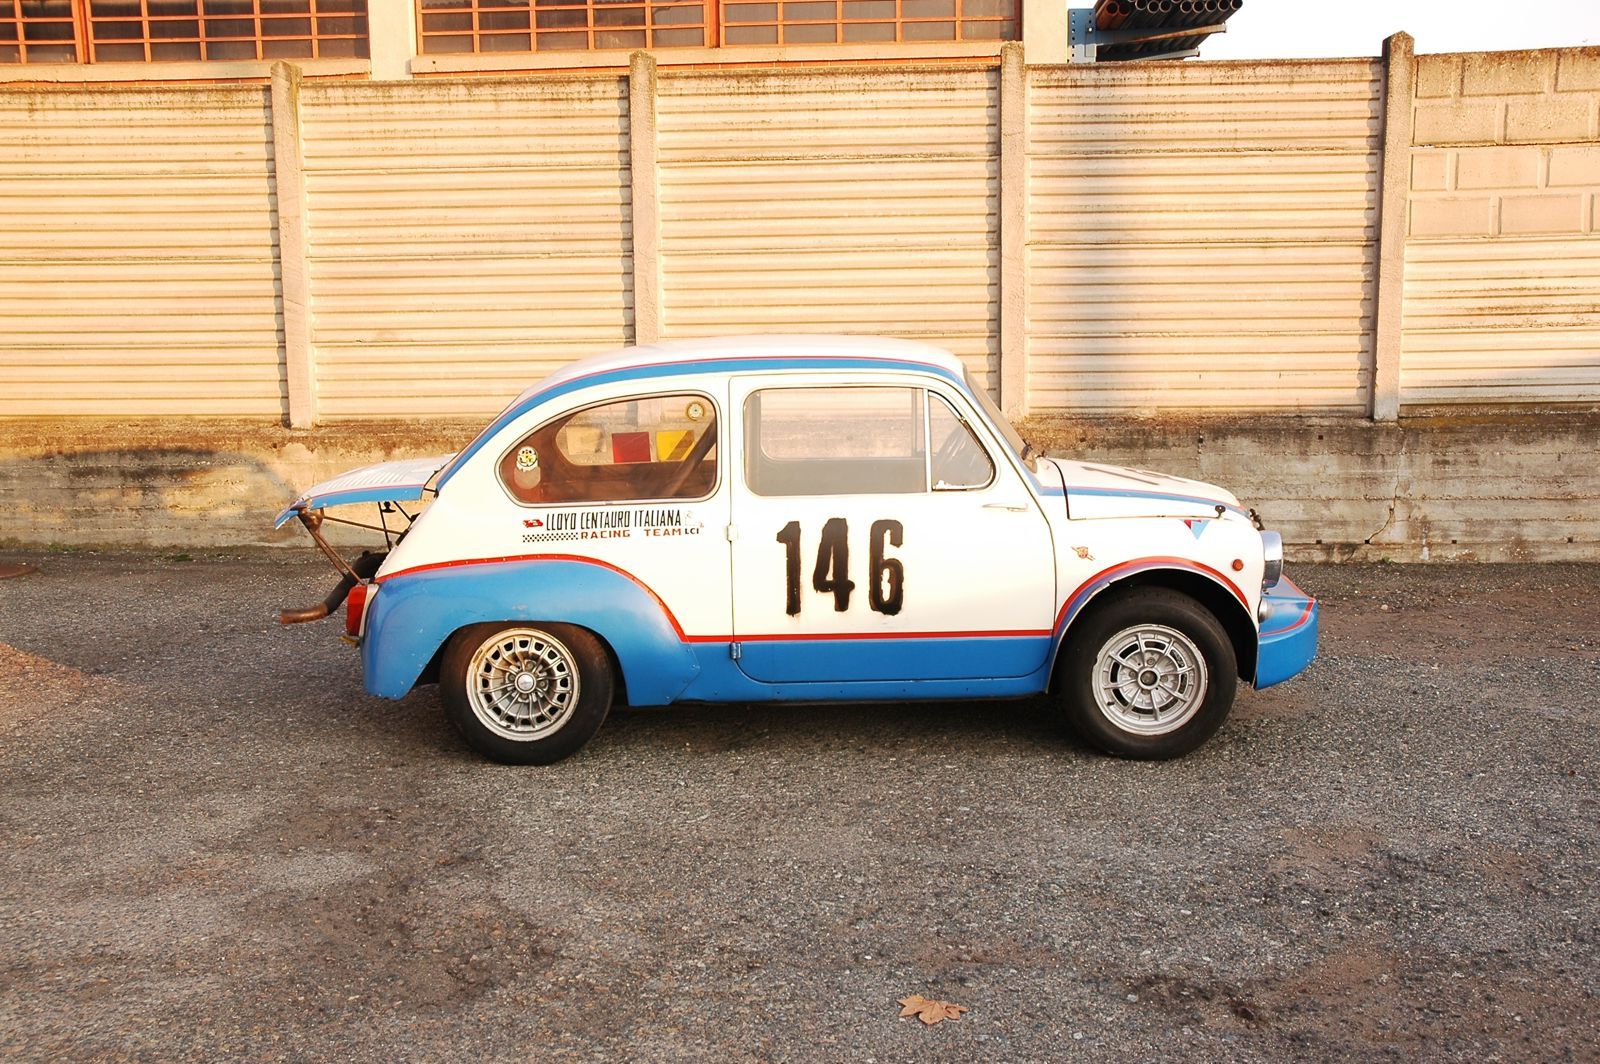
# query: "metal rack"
x,y
1117,31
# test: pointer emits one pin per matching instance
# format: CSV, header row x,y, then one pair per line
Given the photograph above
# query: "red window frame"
x,y
109,30
16,22
488,27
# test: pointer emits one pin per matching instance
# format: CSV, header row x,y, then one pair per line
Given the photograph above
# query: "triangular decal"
x,y
1197,525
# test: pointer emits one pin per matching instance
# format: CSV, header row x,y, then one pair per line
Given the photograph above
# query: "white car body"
x,y
696,598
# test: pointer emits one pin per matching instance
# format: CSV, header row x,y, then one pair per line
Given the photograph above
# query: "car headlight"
x,y
1272,552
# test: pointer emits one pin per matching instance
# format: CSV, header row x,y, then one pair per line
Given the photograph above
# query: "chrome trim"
x,y
1272,553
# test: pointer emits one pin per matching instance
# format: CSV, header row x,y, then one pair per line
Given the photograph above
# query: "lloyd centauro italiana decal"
x,y
632,522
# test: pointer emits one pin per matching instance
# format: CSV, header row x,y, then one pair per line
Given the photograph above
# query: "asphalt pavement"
x,y
217,846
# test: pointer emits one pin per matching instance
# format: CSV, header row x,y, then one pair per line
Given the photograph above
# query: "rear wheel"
x,y
525,694
1149,674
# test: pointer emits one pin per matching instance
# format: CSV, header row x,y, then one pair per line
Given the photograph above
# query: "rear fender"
x,y
416,611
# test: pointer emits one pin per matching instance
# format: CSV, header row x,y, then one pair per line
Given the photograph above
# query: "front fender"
x,y
416,611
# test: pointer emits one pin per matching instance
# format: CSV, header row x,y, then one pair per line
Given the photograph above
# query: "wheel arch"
x,y
415,615
1218,598
430,671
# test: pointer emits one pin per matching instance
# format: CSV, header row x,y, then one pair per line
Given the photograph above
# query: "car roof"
x,y
678,352
720,351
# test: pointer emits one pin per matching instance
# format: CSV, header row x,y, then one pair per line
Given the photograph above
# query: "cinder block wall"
x,y
1502,275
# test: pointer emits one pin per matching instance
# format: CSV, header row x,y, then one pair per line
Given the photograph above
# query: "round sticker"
x,y
695,411
527,459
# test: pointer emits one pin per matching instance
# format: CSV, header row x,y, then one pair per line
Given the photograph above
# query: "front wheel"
x,y
525,694
1149,674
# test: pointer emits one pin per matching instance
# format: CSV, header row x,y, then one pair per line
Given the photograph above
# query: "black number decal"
x,y
890,602
831,576
833,554
789,536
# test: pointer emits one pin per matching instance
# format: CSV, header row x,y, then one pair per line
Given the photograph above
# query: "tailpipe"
x,y
360,570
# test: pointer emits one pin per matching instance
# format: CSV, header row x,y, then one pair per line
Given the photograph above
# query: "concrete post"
x,y
392,38
1399,63
289,186
1013,382
645,185
1045,33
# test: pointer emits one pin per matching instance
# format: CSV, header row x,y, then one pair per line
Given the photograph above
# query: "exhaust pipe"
x,y
364,568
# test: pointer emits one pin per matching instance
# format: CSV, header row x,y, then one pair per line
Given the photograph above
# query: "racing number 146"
x,y
832,572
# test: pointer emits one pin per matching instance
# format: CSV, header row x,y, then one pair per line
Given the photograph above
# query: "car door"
x,y
860,554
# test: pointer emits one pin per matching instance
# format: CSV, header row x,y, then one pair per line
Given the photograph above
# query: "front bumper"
x,y
1288,633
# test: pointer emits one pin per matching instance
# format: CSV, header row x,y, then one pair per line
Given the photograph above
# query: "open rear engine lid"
x,y
401,481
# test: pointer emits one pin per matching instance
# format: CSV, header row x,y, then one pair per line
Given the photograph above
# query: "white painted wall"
x,y
832,202
463,239
137,253
1202,236
1502,277
1197,237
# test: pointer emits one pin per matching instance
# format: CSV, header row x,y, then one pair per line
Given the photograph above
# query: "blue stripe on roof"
x,y
680,369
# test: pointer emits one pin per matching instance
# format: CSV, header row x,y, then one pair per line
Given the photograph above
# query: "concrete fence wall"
x,y
1503,259
1344,237
211,296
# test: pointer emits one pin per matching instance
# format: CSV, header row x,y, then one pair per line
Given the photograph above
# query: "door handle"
x,y
1005,506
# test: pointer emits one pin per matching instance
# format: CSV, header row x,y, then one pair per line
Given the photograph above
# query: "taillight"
x,y
355,609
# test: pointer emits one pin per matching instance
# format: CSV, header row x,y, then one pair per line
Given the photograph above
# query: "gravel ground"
x,y
216,845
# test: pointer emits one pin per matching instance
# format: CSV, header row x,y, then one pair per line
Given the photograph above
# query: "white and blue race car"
x,y
802,519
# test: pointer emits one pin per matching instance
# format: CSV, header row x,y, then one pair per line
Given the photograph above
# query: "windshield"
x,y
1013,439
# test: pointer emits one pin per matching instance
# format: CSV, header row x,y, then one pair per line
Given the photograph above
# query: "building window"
x,y
151,31
37,31
861,21
478,26
475,26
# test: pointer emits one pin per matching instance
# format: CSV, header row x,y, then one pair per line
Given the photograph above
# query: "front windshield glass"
x,y
1013,439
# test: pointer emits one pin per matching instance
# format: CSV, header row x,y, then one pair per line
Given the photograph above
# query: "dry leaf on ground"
x,y
930,1012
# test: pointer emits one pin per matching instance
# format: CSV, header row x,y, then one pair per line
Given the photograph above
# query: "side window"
x,y
656,447
835,441
959,461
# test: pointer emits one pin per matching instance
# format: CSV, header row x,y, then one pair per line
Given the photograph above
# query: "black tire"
x,y
579,659
1118,619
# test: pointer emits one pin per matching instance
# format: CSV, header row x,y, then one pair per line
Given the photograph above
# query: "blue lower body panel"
x,y
852,660
1288,633
722,680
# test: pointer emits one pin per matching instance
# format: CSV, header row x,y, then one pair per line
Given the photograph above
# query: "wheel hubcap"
x,y
523,684
1149,679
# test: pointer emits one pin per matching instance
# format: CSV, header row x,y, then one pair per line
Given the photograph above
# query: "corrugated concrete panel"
x,y
1202,236
1503,320
464,240
833,201
137,249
